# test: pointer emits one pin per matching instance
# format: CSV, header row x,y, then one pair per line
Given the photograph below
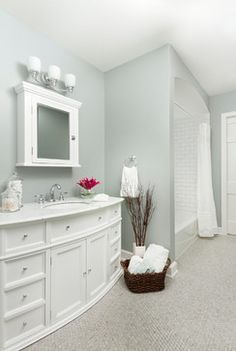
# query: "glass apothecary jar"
x,y
10,201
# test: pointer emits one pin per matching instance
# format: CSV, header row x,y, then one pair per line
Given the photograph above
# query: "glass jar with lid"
x,y
10,200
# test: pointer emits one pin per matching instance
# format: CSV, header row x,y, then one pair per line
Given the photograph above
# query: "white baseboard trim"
x,y
172,270
126,254
219,231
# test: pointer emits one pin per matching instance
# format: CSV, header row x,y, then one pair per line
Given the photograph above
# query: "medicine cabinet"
x,y
47,128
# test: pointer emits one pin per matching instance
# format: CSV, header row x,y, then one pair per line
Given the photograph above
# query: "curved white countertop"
x,y
35,212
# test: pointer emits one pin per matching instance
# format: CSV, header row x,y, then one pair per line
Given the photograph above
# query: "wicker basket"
x,y
146,282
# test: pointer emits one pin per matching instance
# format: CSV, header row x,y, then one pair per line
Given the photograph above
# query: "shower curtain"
x,y
207,221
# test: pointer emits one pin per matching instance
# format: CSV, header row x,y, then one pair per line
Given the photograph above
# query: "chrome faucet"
x,y
52,192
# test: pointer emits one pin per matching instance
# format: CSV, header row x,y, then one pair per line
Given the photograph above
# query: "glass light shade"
x,y
54,72
70,80
34,64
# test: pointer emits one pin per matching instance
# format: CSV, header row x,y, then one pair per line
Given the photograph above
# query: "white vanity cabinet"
x,y
55,267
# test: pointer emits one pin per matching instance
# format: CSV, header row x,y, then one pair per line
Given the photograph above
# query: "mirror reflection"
x,y
53,133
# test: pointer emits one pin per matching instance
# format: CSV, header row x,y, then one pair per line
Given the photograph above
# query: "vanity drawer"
x,y
28,322
114,248
24,295
21,237
24,267
71,225
115,232
115,211
114,267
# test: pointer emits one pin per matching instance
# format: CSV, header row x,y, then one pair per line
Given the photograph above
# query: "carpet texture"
x,y
196,311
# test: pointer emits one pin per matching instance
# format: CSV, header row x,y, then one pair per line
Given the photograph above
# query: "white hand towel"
x,y
134,263
129,182
158,256
101,197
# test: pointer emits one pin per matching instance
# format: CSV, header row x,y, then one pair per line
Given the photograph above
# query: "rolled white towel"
x,y
134,263
146,266
157,256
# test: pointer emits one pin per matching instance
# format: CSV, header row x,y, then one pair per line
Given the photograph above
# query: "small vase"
x,y
87,194
139,250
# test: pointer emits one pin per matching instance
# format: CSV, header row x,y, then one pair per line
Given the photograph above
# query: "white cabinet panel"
x,y
68,279
24,295
72,225
97,263
114,232
24,236
27,323
24,267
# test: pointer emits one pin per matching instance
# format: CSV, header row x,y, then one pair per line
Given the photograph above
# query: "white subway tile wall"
x,y
185,143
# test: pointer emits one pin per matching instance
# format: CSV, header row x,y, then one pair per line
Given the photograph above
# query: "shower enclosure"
x,y
190,111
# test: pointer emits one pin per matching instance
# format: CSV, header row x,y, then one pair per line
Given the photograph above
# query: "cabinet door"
x,y
54,132
68,279
97,264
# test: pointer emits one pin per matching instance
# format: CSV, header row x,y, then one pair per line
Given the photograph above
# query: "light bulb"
x,y
70,80
34,64
54,72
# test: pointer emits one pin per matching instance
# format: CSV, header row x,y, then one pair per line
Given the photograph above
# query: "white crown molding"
x,y
47,93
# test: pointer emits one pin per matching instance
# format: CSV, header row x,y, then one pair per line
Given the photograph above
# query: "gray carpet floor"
x,y
196,311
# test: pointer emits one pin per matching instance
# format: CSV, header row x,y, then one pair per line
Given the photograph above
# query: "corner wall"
x,y
137,123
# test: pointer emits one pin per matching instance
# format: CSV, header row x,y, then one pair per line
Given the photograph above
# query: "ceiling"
x,y
107,33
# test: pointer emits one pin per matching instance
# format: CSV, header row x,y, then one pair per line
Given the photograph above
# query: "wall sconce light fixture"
x,y
50,79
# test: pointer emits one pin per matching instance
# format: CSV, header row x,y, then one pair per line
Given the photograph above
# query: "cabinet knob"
x,y
89,270
84,274
116,248
116,232
67,228
100,218
24,296
25,236
73,137
24,269
24,324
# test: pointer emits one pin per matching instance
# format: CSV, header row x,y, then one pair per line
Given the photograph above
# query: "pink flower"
x,y
88,183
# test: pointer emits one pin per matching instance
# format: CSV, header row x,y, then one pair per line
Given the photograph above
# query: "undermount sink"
x,y
66,205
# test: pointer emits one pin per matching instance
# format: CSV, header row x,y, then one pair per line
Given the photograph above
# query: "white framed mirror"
x,y
47,128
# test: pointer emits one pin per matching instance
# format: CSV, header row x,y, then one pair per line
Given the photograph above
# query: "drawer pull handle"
x,y
24,324
67,228
24,296
90,270
24,269
25,236
115,211
84,274
116,232
99,218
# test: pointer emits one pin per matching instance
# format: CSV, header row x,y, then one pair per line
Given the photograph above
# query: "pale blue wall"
x,y
18,43
219,104
137,122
